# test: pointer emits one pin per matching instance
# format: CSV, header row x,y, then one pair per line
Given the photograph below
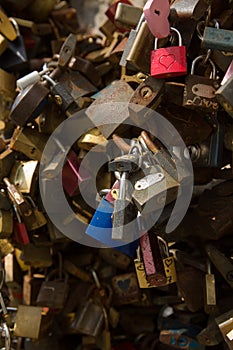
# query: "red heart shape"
x,y
167,60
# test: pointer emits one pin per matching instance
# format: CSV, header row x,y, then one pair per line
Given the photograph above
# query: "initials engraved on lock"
x,y
202,102
167,60
203,90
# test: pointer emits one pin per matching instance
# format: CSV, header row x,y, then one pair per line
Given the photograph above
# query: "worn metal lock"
x,y
89,317
127,16
86,68
156,14
181,10
168,61
224,96
24,176
28,321
6,224
53,292
29,104
125,289
199,91
29,142
111,11
36,256
210,291
218,39
118,91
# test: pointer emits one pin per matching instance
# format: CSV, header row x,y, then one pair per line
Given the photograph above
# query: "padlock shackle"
x,y
199,58
56,272
174,30
141,20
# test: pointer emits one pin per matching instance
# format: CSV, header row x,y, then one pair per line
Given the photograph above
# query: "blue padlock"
x,y
100,228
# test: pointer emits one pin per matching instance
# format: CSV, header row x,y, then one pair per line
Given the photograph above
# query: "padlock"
x,y
12,279
93,139
193,9
118,91
111,11
36,256
178,340
89,319
6,224
217,39
15,56
221,262
29,104
156,14
115,257
66,20
29,142
72,179
127,16
5,202
138,57
24,175
21,234
159,265
53,292
224,323
125,289
168,61
40,10
223,95
86,68
6,247
7,27
199,91
27,321
7,160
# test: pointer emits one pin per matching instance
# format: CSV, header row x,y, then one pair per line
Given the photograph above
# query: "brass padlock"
x,y
27,321
6,224
29,142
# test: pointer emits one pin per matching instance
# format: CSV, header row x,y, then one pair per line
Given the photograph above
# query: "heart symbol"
x,y
168,262
167,60
124,285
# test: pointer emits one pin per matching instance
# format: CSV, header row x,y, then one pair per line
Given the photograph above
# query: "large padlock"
x,y
170,61
28,321
199,91
53,293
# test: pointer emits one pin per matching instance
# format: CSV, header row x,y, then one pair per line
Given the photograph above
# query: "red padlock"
x,y
21,234
170,61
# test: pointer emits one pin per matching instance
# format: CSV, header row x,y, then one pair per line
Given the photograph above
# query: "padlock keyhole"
x,y
157,12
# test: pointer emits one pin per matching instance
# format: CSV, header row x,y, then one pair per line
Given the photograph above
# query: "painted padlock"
x,y
170,61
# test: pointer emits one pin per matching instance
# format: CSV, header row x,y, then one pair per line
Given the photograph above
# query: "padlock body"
x,y
168,62
52,294
199,93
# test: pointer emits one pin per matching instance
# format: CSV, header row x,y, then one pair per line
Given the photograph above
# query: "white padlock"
x,y
30,79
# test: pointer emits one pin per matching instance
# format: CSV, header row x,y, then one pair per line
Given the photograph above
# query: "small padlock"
x,y
53,292
199,91
170,61
125,289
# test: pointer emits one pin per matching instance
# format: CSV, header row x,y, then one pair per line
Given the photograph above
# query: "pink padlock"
x,y
170,61
156,14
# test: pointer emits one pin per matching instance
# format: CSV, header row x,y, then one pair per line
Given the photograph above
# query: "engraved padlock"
x,y
170,61
199,91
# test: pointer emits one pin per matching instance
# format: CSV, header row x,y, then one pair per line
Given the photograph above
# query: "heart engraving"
x,y
124,285
167,60
168,262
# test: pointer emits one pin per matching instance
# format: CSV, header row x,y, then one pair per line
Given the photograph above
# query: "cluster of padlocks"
x,y
116,181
